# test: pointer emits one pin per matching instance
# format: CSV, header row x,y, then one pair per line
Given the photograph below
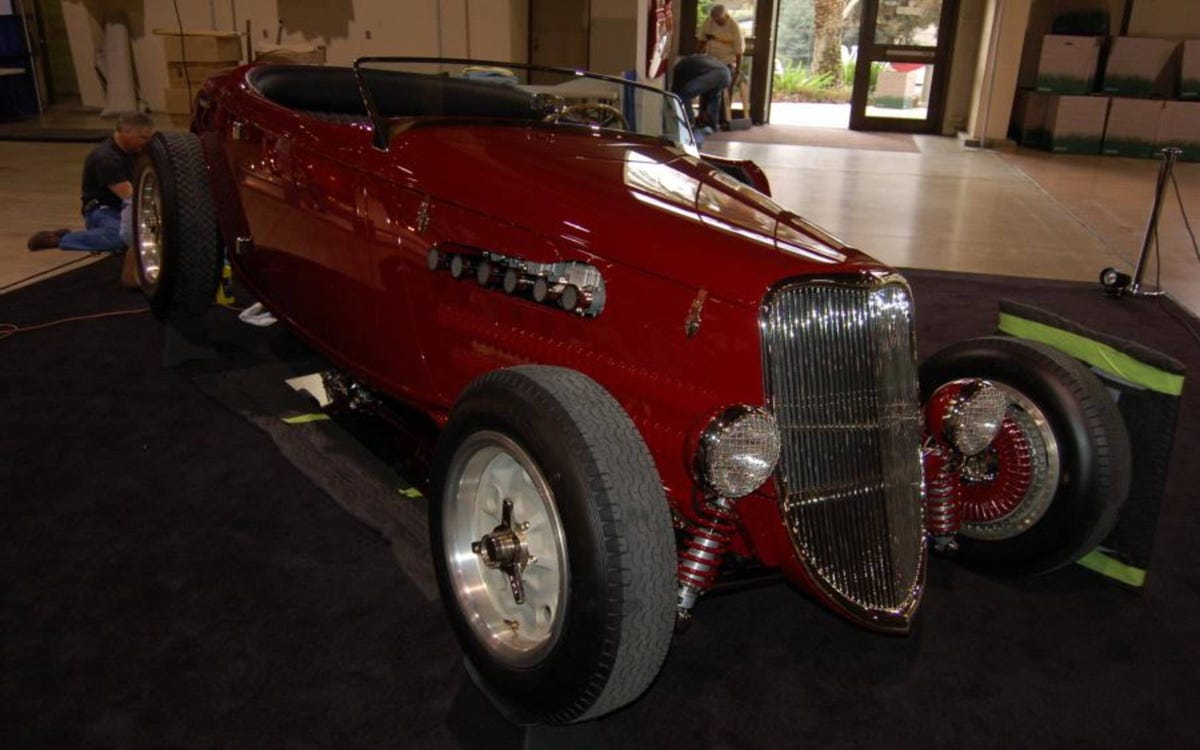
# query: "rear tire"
x,y
585,500
1071,425
175,232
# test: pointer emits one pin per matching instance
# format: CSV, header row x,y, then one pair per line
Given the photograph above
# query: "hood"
x,y
626,201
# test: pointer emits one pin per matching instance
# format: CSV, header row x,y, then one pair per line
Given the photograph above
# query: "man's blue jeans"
x,y
709,87
107,229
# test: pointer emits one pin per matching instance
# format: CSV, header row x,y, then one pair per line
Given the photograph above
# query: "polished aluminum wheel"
x,y
506,554
1044,463
150,227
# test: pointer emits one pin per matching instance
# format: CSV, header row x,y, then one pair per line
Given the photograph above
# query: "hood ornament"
x,y
423,216
691,325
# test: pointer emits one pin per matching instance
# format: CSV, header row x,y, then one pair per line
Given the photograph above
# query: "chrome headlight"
x,y
969,413
738,451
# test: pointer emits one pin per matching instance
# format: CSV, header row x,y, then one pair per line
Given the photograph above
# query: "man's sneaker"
x,y
46,239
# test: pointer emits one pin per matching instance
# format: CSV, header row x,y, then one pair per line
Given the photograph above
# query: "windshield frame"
x,y
380,123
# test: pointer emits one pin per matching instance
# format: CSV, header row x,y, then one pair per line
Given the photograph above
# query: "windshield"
x,y
437,87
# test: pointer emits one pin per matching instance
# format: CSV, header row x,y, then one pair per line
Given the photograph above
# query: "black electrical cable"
x,y
1162,302
11,329
1183,213
187,77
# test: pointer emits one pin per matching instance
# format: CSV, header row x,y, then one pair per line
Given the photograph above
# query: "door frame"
x,y
869,51
765,13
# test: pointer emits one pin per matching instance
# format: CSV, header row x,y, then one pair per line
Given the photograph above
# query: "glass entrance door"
x,y
901,68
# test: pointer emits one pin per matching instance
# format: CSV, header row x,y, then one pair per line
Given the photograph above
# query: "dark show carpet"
x,y
796,135
179,571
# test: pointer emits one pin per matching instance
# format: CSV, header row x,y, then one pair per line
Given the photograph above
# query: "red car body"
x,y
333,234
640,371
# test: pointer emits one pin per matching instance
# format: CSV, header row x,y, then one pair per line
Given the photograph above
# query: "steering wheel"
x,y
591,113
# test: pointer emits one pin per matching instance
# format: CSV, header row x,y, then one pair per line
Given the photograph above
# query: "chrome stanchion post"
x,y
1170,156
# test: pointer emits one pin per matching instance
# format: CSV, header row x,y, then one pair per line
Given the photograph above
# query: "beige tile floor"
x,y
39,189
1007,211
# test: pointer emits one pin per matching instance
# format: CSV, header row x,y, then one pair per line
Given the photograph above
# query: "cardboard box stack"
x,y
192,57
1180,127
1142,105
1068,64
1139,66
1132,127
1075,124
1029,118
1189,70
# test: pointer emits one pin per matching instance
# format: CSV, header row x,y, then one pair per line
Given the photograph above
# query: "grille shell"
x,y
839,361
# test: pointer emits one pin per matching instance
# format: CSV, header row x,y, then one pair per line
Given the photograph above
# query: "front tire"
x,y
553,545
1066,433
174,227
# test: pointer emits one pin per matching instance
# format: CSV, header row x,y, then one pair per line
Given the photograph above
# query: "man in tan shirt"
x,y
721,37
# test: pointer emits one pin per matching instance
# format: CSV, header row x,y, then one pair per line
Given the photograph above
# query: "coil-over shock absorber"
x,y
701,558
943,495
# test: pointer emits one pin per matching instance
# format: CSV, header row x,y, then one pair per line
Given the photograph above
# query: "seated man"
x,y
106,192
704,76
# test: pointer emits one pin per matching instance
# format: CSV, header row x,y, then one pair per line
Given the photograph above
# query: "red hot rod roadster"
x,y
642,369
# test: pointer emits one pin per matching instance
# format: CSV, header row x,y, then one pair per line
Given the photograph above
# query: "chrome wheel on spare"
x,y
1048,488
553,545
507,555
149,227
174,227
999,503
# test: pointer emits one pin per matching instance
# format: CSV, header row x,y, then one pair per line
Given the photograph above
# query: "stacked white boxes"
x,y
1141,66
1133,126
1067,64
1180,127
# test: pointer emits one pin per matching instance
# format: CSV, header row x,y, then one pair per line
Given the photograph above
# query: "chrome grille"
x,y
841,378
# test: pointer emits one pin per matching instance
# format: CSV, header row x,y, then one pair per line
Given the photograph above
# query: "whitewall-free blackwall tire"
x,y
553,545
175,235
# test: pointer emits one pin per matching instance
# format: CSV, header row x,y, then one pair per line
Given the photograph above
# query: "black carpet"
x,y
179,570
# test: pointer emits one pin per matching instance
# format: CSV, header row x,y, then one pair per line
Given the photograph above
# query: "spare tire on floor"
x,y
1060,419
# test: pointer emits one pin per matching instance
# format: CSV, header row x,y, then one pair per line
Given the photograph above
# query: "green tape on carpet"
x,y
1115,569
1101,356
305,418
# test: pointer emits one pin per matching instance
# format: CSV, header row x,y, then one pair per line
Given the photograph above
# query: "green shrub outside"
x,y
795,83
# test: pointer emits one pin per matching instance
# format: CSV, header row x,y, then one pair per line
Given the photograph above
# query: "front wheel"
x,y
1048,488
553,545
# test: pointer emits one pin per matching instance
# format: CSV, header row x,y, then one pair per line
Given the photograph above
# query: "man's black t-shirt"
x,y
106,165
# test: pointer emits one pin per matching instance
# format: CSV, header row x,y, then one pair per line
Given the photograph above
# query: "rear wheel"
x,y
174,227
1049,487
553,545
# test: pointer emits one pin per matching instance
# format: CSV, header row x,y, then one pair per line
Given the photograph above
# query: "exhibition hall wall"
x,y
986,69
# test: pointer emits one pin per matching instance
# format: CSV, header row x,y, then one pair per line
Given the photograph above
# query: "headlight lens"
x,y
972,415
738,451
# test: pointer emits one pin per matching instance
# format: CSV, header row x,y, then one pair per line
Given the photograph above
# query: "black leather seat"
x,y
334,91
